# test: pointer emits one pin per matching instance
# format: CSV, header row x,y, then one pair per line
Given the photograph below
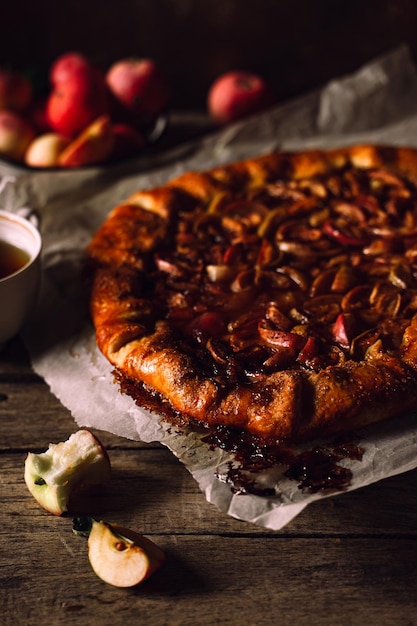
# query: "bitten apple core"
x,y
53,476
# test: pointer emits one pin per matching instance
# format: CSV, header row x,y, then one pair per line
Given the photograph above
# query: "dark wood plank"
x,y
32,417
215,580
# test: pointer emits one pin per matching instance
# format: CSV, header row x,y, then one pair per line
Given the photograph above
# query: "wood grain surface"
x,y
348,560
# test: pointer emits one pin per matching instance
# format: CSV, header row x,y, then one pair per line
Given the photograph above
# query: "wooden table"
x,y
348,560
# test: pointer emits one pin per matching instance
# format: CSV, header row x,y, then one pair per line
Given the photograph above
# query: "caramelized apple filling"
x,y
299,274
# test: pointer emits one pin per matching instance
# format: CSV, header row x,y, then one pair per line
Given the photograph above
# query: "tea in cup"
x,y
20,270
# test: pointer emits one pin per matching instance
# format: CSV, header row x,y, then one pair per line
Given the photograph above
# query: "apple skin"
x,y
45,150
237,94
68,67
15,91
15,135
53,476
93,146
140,87
79,95
128,142
120,556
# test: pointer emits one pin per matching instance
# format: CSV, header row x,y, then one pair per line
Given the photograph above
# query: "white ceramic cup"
x,y
18,289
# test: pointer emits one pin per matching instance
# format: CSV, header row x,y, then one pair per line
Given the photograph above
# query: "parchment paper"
x,y
376,104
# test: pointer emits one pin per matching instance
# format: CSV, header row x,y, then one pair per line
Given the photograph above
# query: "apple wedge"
x,y
53,477
119,556
44,150
93,146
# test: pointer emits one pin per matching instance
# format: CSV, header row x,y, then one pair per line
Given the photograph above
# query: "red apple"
x,y
15,91
94,145
141,87
79,95
128,142
237,94
69,67
71,107
45,150
15,135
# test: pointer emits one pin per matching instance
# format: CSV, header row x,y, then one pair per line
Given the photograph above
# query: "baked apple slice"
x,y
119,556
53,477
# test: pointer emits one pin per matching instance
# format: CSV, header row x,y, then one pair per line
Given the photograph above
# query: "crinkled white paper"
x,y
377,104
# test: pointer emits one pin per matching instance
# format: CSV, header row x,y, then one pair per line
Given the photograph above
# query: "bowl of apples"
x,y
87,116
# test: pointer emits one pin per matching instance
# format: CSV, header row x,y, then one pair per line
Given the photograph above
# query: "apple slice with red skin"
x,y
93,146
118,555
54,476
343,330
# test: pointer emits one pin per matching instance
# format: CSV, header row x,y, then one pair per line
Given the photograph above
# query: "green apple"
x,y
53,477
118,555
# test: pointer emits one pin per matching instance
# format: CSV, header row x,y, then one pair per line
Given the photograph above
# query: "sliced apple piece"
x,y
118,555
93,146
44,150
53,477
